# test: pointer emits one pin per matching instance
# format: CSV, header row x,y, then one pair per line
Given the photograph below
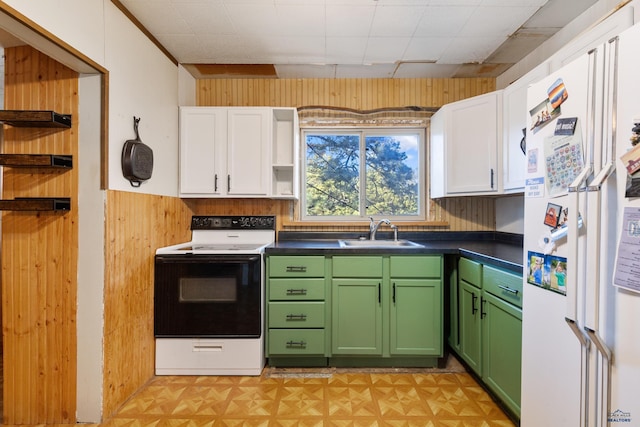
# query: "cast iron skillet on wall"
x,y
137,158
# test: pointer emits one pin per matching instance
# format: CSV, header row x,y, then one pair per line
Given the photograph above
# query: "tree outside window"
x,y
342,183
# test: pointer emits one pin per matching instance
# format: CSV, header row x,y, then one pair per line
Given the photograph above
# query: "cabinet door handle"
x,y
379,293
508,289
491,177
394,292
296,269
229,183
296,291
296,344
482,312
302,317
215,183
473,303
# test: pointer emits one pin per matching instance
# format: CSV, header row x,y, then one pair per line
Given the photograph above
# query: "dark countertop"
x,y
502,250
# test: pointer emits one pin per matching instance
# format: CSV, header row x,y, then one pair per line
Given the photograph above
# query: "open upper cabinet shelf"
x,y
36,161
29,118
36,204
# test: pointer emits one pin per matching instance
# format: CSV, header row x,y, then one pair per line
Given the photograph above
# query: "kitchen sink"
x,y
383,244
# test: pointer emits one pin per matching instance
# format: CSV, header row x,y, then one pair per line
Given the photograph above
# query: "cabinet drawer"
x,y
296,314
415,266
296,341
296,266
470,272
296,289
357,266
504,285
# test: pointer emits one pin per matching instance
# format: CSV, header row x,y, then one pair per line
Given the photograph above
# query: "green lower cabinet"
x,y
354,310
296,342
502,350
416,317
357,316
470,335
296,310
396,313
296,314
490,328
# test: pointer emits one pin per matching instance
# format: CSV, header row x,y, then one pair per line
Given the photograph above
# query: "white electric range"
x,y
209,298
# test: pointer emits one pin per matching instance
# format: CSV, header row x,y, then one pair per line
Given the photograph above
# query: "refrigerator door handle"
x,y
576,187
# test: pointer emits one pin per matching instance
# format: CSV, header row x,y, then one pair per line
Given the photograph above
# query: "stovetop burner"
x,y
220,247
226,234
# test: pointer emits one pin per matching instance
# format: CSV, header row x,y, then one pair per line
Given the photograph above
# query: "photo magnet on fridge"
x,y
557,94
535,267
542,114
555,274
552,215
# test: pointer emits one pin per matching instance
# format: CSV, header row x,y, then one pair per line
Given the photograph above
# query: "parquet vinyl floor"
x,y
337,397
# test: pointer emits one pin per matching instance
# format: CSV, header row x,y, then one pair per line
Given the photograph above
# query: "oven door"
x,y
217,296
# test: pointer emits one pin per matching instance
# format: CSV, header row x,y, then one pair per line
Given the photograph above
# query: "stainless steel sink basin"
x,y
382,244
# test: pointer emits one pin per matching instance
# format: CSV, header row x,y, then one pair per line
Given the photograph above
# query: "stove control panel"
x,y
233,222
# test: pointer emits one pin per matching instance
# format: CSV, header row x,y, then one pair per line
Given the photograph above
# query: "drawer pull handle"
x,y
508,289
296,268
296,291
296,317
296,344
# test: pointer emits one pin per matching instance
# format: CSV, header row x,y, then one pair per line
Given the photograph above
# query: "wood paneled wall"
x,y
360,94
39,262
39,250
467,213
136,224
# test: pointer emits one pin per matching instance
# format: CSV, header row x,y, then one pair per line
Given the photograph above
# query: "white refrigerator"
x,y
581,328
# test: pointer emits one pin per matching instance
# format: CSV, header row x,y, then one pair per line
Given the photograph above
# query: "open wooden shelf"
x,y
29,118
36,161
36,204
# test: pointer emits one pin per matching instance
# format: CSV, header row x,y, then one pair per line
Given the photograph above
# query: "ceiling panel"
x,y
396,38
442,22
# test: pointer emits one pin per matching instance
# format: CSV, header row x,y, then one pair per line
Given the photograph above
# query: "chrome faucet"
x,y
373,227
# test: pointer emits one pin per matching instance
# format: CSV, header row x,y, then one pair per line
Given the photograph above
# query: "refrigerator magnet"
x,y
535,267
552,215
555,274
557,94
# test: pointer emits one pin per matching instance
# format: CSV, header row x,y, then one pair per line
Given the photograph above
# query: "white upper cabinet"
x,y
465,138
248,152
203,149
514,121
238,152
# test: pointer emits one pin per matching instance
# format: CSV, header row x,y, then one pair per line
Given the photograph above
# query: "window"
x,y
352,174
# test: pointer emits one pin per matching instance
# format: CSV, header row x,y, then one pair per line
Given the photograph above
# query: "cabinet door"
x,y
357,316
248,152
502,349
514,121
471,138
470,326
416,317
202,149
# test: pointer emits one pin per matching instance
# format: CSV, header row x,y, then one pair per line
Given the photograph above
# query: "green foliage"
x,y
334,182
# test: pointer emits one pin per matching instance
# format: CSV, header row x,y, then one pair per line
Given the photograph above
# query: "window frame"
x,y
365,131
